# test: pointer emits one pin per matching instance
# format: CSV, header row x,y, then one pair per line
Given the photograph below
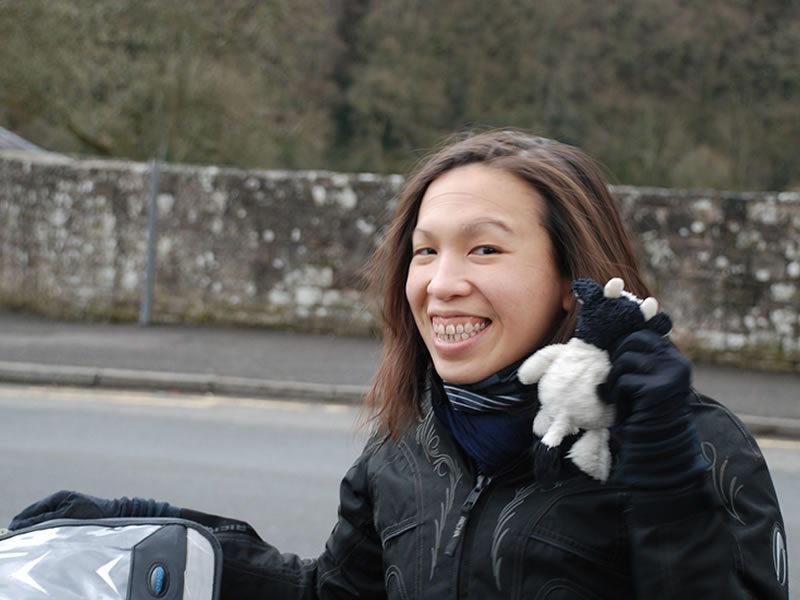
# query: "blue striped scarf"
x,y
501,392
480,417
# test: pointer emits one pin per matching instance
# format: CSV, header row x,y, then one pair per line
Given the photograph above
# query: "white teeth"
x,y
456,333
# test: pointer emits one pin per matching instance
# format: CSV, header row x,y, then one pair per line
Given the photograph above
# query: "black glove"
x,y
650,384
73,505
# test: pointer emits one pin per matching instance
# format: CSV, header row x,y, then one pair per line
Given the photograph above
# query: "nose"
x,y
449,279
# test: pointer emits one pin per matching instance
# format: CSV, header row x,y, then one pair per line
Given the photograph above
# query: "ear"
x,y
566,295
649,307
614,287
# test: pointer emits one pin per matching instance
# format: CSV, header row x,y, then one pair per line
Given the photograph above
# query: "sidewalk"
x,y
285,365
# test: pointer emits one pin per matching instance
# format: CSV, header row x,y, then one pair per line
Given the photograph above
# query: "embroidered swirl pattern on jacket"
x,y
502,528
728,497
444,466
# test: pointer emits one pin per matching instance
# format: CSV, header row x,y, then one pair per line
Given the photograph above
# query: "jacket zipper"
x,y
480,484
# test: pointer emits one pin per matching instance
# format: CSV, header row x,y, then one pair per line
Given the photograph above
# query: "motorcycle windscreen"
x,y
107,561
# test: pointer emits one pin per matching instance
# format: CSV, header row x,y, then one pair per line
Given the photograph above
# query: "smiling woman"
x,y
474,275
548,196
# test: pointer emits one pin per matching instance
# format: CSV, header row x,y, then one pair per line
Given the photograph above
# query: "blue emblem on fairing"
x,y
158,580
779,558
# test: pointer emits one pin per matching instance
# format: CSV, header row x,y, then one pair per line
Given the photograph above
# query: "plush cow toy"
x,y
568,374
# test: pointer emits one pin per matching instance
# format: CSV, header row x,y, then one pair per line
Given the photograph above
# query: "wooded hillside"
x,y
663,92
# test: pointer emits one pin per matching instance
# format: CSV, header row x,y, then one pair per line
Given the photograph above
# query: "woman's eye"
x,y
483,250
424,251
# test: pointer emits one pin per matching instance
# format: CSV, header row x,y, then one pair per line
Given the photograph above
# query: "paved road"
x,y
276,465
231,351
270,363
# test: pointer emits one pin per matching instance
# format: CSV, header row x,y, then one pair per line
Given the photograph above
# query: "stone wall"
x,y
284,249
726,265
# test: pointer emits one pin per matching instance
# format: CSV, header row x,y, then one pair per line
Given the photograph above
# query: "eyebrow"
x,y
473,226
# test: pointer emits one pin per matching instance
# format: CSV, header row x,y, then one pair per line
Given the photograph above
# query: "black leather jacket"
x,y
416,521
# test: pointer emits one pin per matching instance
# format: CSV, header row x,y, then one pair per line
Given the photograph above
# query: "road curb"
x,y
197,383
209,383
771,426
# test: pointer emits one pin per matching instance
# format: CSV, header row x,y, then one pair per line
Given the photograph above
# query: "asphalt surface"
x,y
285,365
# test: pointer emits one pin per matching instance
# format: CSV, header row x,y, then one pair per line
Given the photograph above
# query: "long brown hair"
x,y
585,228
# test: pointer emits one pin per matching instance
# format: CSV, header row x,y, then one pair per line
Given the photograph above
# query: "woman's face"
x,y
482,283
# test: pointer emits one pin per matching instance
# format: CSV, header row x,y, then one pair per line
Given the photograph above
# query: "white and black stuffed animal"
x,y
568,374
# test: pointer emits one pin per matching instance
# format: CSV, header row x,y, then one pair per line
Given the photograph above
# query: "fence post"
x,y
152,210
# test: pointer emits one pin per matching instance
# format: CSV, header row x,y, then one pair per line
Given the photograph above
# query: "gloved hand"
x,y
650,384
73,505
